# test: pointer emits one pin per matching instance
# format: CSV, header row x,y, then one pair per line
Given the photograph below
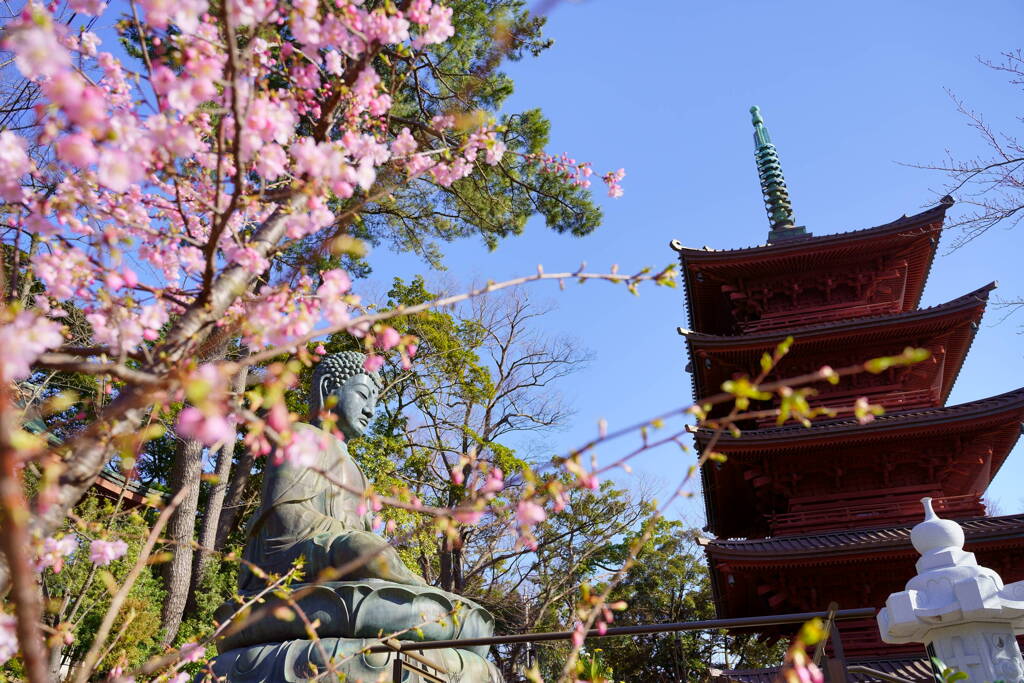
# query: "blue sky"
x,y
663,89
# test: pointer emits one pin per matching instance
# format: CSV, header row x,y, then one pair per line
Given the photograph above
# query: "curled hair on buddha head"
x,y
333,371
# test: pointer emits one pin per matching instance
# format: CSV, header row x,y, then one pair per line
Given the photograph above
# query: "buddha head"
x,y
344,387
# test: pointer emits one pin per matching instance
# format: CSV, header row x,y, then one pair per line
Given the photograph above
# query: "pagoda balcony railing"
x,y
890,397
893,510
804,317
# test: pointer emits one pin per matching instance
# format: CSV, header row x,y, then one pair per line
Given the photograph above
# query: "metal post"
x,y
840,655
830,623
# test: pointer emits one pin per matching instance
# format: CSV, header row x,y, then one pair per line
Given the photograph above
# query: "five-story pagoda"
x,y
803,516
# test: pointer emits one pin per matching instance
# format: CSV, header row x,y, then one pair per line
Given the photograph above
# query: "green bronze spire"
x,y
773,184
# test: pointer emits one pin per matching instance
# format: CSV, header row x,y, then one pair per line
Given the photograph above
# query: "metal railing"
x,y
419,664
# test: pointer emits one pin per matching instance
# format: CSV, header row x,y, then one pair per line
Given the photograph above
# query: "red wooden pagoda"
x,y
803,516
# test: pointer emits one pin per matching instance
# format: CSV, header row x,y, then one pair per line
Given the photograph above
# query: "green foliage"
x,y
83,586
909,356
217,585
669,583
463,78
947,674
584,542
591,666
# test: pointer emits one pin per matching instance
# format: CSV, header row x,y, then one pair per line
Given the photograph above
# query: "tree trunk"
x,y
445,579
186,474
452,578
208,533
458,577
232,507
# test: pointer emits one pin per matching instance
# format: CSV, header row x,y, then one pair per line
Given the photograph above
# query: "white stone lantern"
x,y
961,611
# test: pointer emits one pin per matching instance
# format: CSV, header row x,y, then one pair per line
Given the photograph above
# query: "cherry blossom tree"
x,y
157,203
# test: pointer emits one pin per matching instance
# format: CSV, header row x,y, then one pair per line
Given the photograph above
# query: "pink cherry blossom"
x,y
89,42
191,652
302,450
91,7
373,363
54,551
807,672
579,634
114,281
387,338
272,161
612,179
494,152
77,149
14,163
64,87
278,418
117,674
467,516
335,284
495,482
247,12
23,339
37,51
438,27
248,258
117,170
862,411
271,120
209,429
39,225
8,637
63,271
88,110
184,13
529,513
332,63
403,144
104,552
130,278
162,79
303,224
419,11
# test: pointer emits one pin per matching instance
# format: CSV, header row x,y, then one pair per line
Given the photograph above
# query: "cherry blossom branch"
x,y
93,655
16,545
154,664
70,363
664,276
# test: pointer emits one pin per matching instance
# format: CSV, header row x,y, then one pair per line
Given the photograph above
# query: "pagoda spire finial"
x,y
773,184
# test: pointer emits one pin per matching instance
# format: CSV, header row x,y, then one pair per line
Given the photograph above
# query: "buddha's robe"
x,y
303,513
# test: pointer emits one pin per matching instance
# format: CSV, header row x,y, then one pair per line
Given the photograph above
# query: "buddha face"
x,y
357,399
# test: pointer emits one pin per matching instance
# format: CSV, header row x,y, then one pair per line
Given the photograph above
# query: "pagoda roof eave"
x,y
923,228
832,544
906,323
831,329
906,421
912,668
813,243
